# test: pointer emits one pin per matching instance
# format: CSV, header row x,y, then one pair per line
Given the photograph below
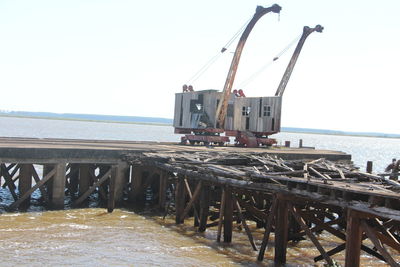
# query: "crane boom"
x,y
286,76
223,104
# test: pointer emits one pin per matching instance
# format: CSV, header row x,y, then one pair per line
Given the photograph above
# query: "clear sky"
x,y
129,57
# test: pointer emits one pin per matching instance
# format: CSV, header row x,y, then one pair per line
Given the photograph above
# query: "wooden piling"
x,y
136,194
369,166
84,178
228,215
162,194
58,194
25,183
179,200
120,177
104,187
73,179
112,189
204,207
47,168
281,231
353,239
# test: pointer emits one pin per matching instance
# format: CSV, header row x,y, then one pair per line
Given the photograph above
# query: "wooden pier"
x,y
289,193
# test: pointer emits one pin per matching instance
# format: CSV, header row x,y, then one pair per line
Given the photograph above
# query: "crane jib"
x,y
223,103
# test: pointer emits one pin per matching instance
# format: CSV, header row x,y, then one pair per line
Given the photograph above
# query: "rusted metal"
x,y
286,76
223,105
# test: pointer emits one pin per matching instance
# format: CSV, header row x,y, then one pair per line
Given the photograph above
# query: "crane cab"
x,y
195,115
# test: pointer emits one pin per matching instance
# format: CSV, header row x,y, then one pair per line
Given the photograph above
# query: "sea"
x,y
93,237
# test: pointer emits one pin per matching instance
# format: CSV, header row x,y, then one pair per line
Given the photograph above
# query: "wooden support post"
x,y
103,187
120,179
84,178
136,193
204,207
369,166
228,215
268,228
221,215
112,189
25,183
162,194
47,168
281,231
353,239
179,199
73,179
57,200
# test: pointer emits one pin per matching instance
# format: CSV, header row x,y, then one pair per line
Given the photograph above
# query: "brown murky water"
x,y
93,237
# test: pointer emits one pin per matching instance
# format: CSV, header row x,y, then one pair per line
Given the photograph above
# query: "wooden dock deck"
x,y
290,192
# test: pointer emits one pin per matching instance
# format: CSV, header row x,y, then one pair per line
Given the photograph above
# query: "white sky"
x,y
130,57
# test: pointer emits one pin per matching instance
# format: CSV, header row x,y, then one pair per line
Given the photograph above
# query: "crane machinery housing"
x,y
203,116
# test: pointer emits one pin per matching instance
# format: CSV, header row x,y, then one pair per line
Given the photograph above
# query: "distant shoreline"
x,y
142,121
85,120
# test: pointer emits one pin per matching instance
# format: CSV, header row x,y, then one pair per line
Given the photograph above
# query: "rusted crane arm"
x,y
223,104
286,76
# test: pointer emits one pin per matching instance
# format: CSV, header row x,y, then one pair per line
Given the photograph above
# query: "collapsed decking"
x,y
296,197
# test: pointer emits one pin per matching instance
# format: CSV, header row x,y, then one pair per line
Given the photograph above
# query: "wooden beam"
x,y
204,207
322,225
179,199
84,178
310,235
331,252
189,192
101,191
246,227
25,183
193,198
73,176
137,194
162,193
221,215
30,191
371,233
353,239
386,236
58,184
268,228
111,191
343,246
228,215
42,189
8,181
92,188
281,231
253,210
